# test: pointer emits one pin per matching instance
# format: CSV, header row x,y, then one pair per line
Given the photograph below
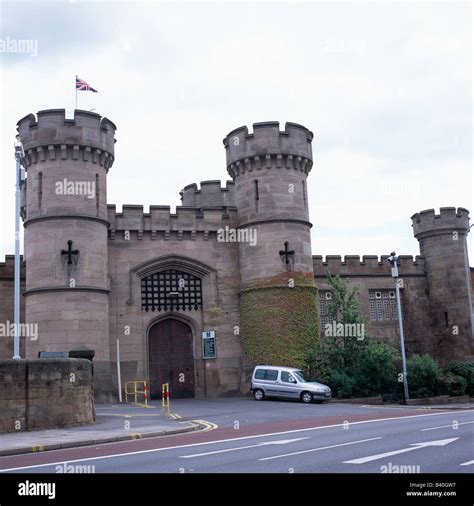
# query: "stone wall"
x,y
67,296
210,194
216,263
45,393
371,273
442,239
277,292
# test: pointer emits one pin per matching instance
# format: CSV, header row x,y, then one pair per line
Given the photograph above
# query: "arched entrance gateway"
x,y
170,352
170,340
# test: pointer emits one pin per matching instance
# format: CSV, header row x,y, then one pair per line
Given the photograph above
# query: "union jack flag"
x,y
83,86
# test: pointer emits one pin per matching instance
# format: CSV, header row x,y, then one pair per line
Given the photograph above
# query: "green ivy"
x,y
279,323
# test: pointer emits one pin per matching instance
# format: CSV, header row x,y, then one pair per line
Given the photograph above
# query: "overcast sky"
x,y
386,89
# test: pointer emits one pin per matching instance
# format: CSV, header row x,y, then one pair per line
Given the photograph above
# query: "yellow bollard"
x,y
165,398
145,393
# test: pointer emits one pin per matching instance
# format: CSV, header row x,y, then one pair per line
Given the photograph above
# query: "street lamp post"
x,y
19,154
468,272
393,258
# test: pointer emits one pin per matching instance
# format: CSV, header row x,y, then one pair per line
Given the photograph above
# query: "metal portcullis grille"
x,y
171,290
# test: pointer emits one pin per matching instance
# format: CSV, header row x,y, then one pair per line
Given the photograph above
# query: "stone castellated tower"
x,y
443,244
67,292
278,295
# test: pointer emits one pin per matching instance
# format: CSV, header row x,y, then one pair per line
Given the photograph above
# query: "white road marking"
x,y
414,446
264,443
468,463
118,455
209,425
322,448
444,426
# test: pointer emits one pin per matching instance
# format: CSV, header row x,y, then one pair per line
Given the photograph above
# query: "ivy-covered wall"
x,y
279,320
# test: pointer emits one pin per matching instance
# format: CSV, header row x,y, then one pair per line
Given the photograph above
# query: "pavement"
x,y
113,423
441,406
448,406
127,422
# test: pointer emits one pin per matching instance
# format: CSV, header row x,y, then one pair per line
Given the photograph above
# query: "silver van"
x,y
287,383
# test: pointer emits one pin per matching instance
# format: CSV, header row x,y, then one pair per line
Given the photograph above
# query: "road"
x,y
281,437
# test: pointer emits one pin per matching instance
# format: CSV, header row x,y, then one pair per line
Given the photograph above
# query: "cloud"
x,y
62,30
385,87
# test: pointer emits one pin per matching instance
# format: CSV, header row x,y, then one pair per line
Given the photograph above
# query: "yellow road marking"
x,y
37,448
392,407
143,405
127,415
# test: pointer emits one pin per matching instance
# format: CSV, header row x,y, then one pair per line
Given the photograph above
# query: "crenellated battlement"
x,y
50,136
210,194
160,219
449,219
268,147
7,268
369,265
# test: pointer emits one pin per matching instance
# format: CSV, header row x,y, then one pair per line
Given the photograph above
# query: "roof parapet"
x,y
7,268
160,219
50,130
210,194
268,146
448,220
369,265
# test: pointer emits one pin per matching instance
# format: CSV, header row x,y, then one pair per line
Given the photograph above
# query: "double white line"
x,y
281,442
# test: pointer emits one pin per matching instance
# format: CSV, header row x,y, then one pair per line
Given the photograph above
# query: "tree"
x,y
344,309
352,365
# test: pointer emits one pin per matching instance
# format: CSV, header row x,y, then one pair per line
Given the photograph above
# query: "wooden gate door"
x,y
171,358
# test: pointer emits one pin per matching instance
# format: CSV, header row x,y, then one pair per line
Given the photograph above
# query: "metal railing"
x,y
135,391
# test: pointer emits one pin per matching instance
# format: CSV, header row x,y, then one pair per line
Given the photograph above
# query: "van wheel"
x,y
259,394
306,397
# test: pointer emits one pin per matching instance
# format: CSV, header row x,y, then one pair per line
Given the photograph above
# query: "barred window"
x,y
325,298
382,305
171,290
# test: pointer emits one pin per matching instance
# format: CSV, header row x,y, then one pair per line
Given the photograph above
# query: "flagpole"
x,y
75,84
